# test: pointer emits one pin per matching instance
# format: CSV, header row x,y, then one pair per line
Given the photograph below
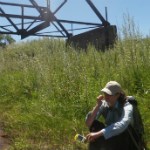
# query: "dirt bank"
x,y
4,141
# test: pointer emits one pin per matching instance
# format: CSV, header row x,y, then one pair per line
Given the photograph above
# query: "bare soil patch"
x,y
4,141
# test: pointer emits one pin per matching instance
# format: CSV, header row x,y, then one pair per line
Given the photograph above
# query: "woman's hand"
x,y
99,99
93,136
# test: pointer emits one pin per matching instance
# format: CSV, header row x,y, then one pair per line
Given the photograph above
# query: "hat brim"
x,y
105,90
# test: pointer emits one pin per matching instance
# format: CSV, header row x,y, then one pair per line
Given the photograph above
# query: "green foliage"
x,y
46,89
5,39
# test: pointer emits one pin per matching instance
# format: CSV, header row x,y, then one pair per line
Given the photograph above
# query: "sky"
x,y
79,10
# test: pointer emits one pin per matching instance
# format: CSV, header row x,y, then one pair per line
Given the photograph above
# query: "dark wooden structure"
x,y
101,38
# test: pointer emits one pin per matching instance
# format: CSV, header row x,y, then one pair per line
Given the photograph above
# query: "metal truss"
x,y
25,24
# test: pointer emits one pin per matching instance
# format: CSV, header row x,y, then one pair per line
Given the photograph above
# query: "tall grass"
x,y
46,88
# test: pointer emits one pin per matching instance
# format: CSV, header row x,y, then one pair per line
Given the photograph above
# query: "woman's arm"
x,y
120,126
91,117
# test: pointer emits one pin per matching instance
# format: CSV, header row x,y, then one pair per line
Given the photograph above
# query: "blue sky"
x,y
138,9
79,10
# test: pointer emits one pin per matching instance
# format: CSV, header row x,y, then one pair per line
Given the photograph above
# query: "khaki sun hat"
x,y
112,88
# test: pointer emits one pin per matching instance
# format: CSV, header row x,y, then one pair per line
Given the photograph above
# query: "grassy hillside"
x,y
47,89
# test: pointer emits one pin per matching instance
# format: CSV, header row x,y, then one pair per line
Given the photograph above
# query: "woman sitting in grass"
x,y
118,115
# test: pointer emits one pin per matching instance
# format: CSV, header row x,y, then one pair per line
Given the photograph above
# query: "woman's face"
x,y
111,99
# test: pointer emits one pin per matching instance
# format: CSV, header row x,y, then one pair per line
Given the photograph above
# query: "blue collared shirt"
x,y
117,119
